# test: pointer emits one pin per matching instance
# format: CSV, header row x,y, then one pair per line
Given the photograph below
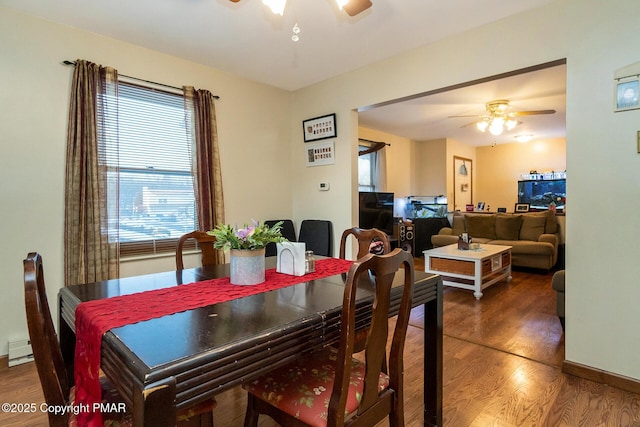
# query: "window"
x,y
366,171
152,170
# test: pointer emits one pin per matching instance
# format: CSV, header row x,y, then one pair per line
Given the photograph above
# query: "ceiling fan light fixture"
x,y
482,125
497,126
276,6
342,3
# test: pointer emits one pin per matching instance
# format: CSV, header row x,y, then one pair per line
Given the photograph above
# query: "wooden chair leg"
x,y
251,416
206,420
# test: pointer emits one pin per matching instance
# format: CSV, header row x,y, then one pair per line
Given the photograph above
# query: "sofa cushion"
x,y
508,226
526,247
551,226
551,221
532,227
481,226
457,224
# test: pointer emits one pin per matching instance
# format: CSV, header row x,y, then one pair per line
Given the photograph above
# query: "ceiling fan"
x,y
352,7
498,117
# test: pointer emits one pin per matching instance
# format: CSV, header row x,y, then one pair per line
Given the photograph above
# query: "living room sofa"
x,y
533,236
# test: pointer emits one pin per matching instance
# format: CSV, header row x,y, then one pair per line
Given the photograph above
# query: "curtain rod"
x,y
374,142
67,62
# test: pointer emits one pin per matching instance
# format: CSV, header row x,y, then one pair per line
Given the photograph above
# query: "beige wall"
x,y
429,164
498,168
399,155
253,125
601,150
260,133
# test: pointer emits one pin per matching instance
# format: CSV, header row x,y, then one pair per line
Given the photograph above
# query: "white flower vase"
x,y
246,266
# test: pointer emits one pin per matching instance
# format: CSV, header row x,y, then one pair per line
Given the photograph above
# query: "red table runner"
x,y
95,318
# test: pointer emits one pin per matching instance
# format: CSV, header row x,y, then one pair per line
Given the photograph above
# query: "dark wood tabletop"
x,y
175,361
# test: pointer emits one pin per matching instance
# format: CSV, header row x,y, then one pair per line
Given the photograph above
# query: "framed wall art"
x,y
521,207
626,94
322,127
320,153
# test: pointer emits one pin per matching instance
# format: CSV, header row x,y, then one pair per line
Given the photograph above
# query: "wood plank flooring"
x,y
502,358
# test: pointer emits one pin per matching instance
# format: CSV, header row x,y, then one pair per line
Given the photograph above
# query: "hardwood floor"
x,y
502,358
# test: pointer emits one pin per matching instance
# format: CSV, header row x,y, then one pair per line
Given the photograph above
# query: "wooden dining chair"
x,y
360,392
364,237
205,243
58,392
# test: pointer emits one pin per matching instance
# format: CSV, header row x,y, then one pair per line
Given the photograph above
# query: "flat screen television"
x,y
376,211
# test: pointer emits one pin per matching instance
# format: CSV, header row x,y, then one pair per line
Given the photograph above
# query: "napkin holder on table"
x,y
291,258
464,241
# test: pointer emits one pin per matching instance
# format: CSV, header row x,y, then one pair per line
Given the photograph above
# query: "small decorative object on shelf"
x,y
247,249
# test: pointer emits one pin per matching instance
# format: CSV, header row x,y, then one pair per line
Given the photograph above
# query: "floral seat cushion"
x,y
303,388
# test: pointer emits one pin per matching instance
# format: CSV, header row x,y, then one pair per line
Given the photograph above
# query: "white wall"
x,y
253,128
595,37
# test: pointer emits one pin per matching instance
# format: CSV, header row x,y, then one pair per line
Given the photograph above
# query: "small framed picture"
x,y
469,208
626,94
320,154
480,206
521,207
319,128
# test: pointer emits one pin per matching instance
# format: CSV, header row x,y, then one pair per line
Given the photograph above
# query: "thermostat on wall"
x,y
323,186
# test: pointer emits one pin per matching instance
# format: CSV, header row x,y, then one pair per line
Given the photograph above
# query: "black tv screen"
x,y
376,211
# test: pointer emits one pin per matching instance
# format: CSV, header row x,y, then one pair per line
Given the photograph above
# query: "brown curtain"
x,y
206,170
90,253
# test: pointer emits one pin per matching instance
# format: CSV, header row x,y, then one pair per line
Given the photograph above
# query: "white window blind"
x,y
152,168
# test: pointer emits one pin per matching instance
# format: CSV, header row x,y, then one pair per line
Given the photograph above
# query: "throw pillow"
x,y
532,227
481,226
508,226
551,227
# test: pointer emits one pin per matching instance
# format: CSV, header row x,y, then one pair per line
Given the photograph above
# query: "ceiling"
x,y
424,118
246,39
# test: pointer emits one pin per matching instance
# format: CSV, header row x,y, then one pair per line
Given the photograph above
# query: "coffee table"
x,y
473,269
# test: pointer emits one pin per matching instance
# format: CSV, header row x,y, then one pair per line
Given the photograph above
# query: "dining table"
x,y
172,362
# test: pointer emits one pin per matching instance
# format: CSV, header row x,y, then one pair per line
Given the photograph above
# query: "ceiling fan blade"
x,y
468,124
532,113
354,7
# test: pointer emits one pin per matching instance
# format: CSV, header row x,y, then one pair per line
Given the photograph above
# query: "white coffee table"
x,y
473,269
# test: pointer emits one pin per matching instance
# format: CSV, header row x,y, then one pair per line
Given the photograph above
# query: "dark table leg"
x,y
67,341
154,404
433,360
